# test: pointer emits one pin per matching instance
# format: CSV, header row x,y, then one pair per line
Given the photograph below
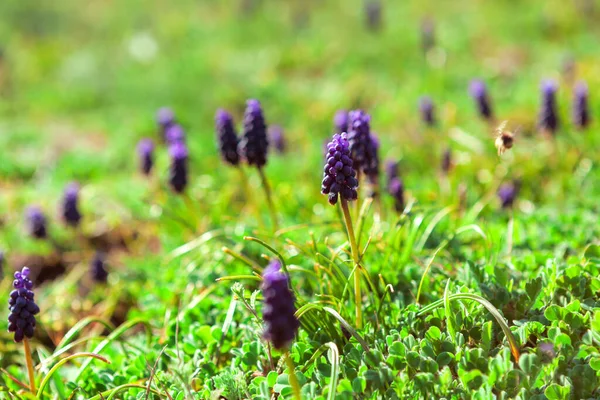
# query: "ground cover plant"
x,y
258,199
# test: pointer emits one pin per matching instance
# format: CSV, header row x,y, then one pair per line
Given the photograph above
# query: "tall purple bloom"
x,y
373,14
174,133
277,138
339,177
427,110
340,121
227,137
446,161
70,205
254,144
178,171
281,324
581,114
507,193
145,149
36,222
427,34
371,168
396,190
478,91
165,118
359,137
392,170
548,119
98,268
23,309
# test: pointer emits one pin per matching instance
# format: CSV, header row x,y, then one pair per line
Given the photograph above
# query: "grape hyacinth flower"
x,y
340,121
70,206
36,222
339,182
373,14
178,171
427,110
165,118
145,149
98,268
276,137
548,118
371,169
227,137
478,91
581,114
21,320
174,134
427,35
359,137
396,190
446,161
339,177
507,193
254,147
281,324
392,170
254,144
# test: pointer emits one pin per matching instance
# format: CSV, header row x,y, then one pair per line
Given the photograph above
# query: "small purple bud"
x,y
174,134
359,137
281,324
581,113
427,34
479,93
145,149
396,190
340,121
507,193
392,170
70,207
548,119
227,137
178,171
21,319
339,181
254,143
427,110
165,117
277,138
371,169
98,268
446,161
36,222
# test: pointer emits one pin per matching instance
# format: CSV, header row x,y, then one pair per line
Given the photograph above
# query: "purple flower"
x,y
23,309
174,134
70,206
165,117
396,190
581,113
371,168
478,91
548,119
98,268
446,161
340,121
281,324
178,171
359,137
427,34
427,110
339,177
507,193
392,170
36,222
373,14
145,149
276,137
254,143
227,137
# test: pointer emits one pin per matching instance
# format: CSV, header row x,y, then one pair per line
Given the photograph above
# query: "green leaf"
x,y
554,313
557,392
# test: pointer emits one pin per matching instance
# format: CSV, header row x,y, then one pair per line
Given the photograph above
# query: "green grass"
x,y
180,316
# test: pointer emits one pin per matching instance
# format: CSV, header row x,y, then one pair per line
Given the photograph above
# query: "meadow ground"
x,y
460,297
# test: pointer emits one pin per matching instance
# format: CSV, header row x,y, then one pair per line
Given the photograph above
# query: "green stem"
x,y
267,189
29,362
357,268
292,376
